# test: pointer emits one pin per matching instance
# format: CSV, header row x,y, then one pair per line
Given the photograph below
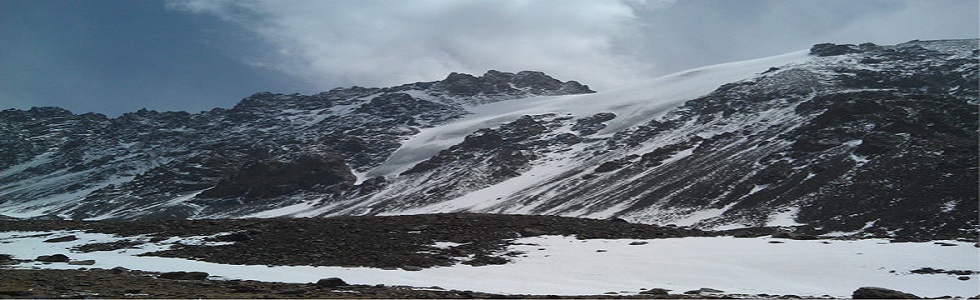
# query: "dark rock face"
x,y
590,125
828,49
267,179
503,83
507,148
881,293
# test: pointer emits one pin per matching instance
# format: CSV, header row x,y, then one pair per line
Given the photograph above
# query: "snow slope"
x,y
565,265
806,139
633,105
823,140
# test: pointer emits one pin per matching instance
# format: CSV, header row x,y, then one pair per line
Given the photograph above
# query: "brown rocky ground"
x,y
100,283
383,242
118,284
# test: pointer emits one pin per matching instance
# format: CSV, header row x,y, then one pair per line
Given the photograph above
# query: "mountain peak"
x,y
495,82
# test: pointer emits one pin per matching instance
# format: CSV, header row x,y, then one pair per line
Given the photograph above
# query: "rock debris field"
x,y
463,256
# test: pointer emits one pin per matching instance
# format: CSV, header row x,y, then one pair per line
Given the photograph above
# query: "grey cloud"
x,y
393,42
601,43
699,32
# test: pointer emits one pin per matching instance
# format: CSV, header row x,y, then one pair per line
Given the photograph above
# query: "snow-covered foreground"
x,y
568,266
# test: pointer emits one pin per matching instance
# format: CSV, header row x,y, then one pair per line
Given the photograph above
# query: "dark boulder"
x,y
67,238
87,262
53,258
7,259
792,235
656,291
703,291
531,231
181,275
331,282
881,293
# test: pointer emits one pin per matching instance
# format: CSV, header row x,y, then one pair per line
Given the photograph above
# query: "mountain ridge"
x,y
839,139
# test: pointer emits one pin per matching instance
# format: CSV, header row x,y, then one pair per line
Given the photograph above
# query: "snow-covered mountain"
x,y
837,139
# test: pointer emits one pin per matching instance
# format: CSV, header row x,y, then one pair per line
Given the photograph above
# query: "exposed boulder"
x,y
656,292
67,238
53,258
181,275
331,282
704,291
881,293
87,262
7,259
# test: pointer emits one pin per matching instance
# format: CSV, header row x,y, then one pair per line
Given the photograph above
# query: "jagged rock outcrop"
x,y
496,84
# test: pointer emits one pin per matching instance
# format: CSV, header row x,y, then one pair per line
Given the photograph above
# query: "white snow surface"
x,y
565,265
784,217
633,105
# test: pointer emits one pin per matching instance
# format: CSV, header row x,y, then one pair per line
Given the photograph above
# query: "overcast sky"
x,y
116,56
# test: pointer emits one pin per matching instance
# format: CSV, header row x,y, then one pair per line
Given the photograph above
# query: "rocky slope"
x,y
840,140
149,164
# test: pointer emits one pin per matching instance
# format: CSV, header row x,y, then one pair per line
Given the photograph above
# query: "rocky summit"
x,y
840,140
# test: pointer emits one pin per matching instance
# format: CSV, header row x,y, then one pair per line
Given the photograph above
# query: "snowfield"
x,y
564,265
633,105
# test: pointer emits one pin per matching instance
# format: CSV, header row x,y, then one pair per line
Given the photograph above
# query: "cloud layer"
x,y
381,43
603,43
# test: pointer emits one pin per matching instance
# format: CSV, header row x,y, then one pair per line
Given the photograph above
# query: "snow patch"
x,y
784,217
569,266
